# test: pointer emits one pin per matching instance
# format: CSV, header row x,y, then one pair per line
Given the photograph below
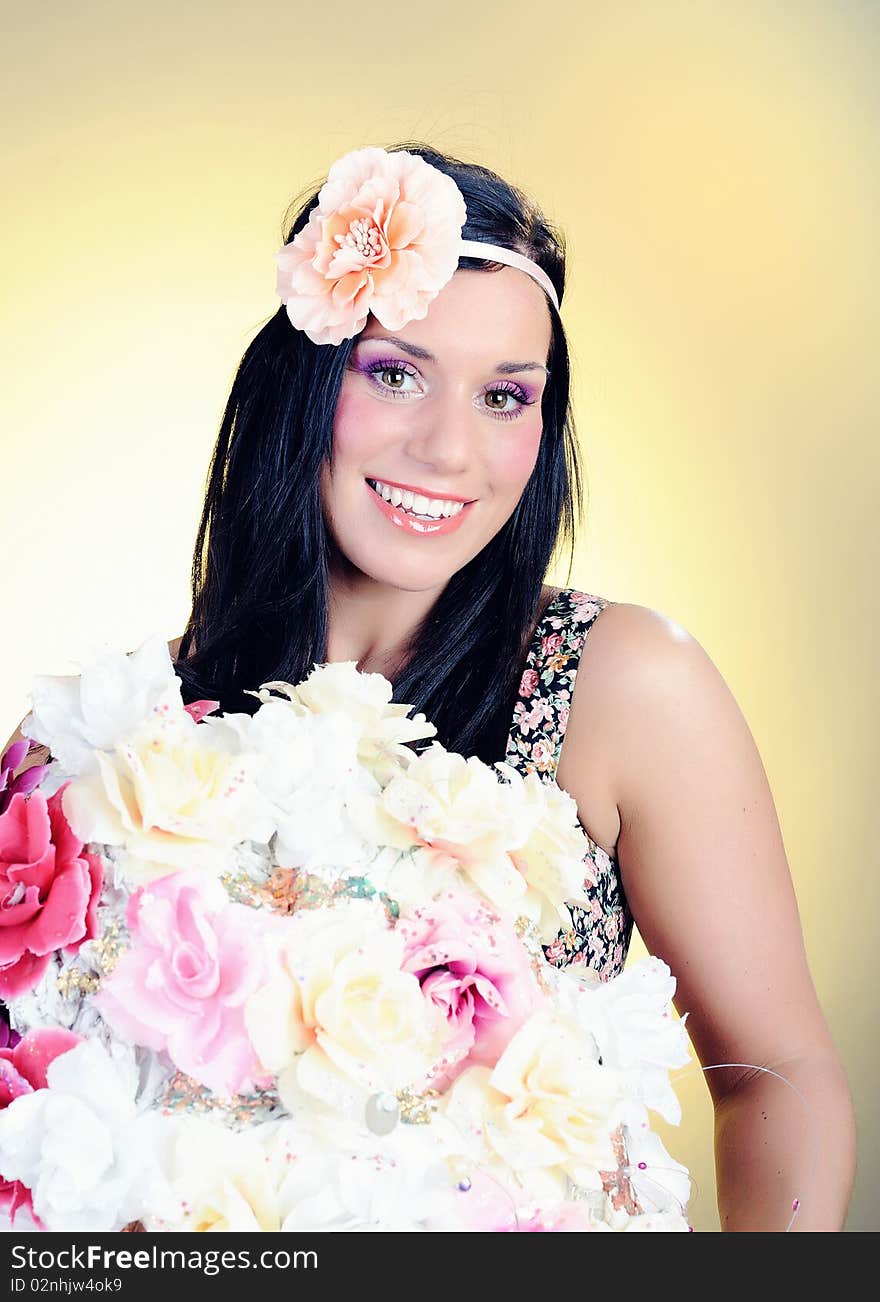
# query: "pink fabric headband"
x,y
385,237
499,253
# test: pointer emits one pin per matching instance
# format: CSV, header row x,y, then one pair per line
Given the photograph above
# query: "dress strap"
x,y
545,691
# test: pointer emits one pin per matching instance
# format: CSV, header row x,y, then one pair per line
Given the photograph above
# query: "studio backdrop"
x,y
713,168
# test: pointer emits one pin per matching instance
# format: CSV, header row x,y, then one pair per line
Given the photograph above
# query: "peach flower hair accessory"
x,y
385,237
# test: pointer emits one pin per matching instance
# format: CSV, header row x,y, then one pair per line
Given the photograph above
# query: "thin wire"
x,y
796,1203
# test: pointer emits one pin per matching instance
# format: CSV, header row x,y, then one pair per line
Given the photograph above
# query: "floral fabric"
x,y
599,936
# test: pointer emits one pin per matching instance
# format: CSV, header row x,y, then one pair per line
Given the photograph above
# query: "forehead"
x,y
483,316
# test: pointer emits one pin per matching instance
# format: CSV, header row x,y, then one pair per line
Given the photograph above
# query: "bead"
x,y
382,1113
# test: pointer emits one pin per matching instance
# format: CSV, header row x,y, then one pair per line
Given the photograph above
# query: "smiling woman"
x,y
395,471
310,547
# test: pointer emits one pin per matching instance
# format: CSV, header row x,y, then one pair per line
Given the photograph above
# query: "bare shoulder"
x,y
622,653
637,668
700,849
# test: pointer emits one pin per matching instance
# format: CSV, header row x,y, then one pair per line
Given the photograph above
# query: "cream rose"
x,y
340,1020
219,1179
551,857
547,1105
173,797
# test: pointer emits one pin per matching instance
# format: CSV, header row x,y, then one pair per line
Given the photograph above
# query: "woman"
x,y
395,469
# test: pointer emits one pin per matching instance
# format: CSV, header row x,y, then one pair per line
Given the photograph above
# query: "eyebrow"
x,y
415,350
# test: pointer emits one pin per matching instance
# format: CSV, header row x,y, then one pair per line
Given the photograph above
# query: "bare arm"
x,y
705,871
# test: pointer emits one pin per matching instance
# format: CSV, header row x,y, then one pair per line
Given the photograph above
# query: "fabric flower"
x,y
476,971
12,757
552,857
518,841
78,715
9,1037
338,1017
631,1020
22,1070
487,1206
194,959
660,1183
310,776
80,1146
383,238
220,1180
381,727
547,1104
175,795
49,889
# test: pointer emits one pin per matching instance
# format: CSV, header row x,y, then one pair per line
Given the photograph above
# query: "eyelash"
x,y
376,368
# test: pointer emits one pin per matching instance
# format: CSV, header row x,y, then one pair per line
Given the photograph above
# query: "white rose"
x,y
81,1146
78,715
382,728
631,1017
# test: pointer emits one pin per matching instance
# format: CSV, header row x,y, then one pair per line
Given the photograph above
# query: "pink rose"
x,y
551,644
542,755
23,1070
384,238
49,890
563,716
528,682
476,971
195,958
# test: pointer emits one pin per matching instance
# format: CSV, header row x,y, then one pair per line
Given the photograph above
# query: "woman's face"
x,y
444,411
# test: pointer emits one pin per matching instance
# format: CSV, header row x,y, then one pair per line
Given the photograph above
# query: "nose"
x,y
442,435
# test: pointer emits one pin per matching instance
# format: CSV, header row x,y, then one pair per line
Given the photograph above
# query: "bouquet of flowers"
x,y
285,971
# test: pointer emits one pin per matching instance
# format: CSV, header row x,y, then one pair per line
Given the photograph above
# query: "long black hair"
x,y
261,559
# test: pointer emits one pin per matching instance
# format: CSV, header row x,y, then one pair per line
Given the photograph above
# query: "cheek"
x,y
358,429
512,461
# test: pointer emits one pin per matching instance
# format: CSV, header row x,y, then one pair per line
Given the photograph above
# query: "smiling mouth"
x,y
419,524
406,499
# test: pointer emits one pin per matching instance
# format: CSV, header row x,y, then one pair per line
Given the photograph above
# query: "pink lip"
x,y
411,525
427,492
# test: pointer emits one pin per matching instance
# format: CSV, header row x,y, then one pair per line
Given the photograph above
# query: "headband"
x,y
385,237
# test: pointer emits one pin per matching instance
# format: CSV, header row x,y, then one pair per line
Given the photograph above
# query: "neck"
x,y
371,622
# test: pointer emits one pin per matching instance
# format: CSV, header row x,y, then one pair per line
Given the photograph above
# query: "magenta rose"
x,y
23,1070
49,890
476,971
195,958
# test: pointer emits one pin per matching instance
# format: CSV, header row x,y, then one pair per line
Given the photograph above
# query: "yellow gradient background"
x,y
714,167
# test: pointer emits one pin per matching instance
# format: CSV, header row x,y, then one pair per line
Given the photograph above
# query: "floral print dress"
x,y
599,936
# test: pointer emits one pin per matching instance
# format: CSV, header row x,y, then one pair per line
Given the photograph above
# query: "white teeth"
x,y
436,507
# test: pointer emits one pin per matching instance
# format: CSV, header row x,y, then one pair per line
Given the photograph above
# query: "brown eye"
x,y
394,370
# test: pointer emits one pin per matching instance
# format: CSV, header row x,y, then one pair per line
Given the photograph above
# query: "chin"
x,y
412,576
